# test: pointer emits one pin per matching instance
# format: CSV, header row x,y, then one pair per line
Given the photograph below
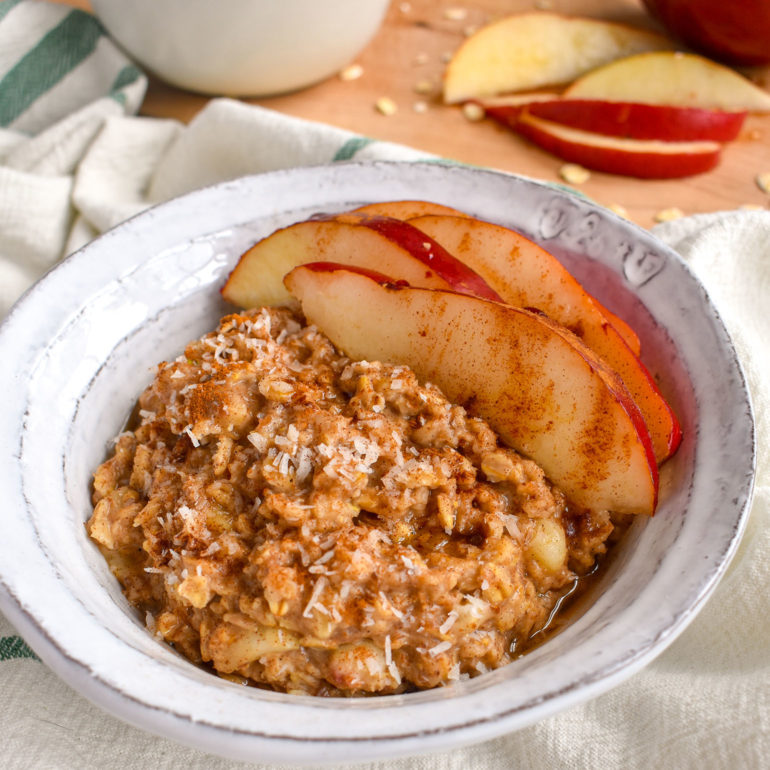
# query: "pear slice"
x,y
525,275
520,247
544,392
644,159
413,211
628,120
532,50
675,79
377,243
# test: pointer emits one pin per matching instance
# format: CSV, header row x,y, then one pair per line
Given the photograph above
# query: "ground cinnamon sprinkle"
x,y
311,524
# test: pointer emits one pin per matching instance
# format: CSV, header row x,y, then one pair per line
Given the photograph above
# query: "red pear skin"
x,y
460,276
626,157
628,120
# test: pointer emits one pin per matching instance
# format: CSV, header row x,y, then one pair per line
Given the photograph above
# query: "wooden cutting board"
x,y
405,62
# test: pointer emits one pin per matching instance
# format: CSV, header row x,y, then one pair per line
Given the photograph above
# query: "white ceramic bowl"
x,y
242,47
81,345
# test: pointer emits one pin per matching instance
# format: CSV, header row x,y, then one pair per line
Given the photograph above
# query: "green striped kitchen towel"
x,y
61,80
55,60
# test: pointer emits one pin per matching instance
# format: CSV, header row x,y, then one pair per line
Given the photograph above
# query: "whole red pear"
x,y
734,31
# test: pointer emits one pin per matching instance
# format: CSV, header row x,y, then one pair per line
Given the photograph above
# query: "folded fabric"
x,y
137,162
61,78
74,161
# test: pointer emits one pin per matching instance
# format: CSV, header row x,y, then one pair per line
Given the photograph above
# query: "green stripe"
x,y
15,647
6,6
125,77
351,147
56,55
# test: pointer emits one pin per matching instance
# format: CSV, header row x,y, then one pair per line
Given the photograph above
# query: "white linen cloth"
x,y
705,702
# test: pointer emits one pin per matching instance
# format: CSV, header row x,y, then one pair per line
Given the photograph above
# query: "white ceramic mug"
x,y
242,47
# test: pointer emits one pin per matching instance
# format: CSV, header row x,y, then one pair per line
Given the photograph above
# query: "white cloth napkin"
x,y
70,169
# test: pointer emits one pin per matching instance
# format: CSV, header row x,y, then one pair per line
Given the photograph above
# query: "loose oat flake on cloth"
x,y
74,162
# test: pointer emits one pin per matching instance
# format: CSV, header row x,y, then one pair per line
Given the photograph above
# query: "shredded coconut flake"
x,y
389,605
511,524
193,437
258,441
318,589
478,606
439,648
323,559
448,623
303,464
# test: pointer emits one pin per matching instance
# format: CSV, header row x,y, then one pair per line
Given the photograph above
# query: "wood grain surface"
x,y
412,47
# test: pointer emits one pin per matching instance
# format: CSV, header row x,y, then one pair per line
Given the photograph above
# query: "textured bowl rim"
x,y
330,184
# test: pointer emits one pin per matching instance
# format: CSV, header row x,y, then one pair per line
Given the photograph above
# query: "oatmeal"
x,y
312,524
